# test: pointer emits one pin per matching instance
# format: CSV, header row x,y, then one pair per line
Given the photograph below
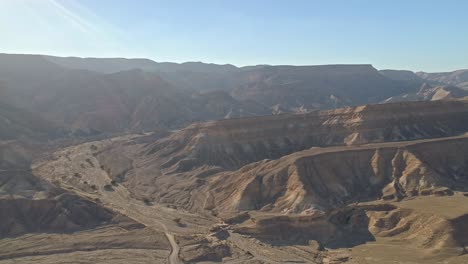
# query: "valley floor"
x,y
172,235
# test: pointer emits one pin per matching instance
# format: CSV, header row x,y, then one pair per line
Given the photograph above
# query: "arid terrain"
x,y
134,161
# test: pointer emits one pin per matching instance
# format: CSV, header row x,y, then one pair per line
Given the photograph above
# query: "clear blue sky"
x,y
412,34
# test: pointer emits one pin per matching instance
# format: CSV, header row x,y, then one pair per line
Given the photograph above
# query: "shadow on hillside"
x,y
342,229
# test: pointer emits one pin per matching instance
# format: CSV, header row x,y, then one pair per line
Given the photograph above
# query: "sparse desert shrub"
x,y
108,188
147,201
114,183
236,219
178,221
90,162
56,182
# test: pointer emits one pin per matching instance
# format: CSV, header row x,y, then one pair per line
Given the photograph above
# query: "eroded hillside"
x,y
321,187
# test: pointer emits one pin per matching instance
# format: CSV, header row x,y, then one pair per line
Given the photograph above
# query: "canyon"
x,y
362,185
135,161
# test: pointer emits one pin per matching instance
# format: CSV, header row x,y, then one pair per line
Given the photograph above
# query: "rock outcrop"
x,y
343,178
237,142
430,93
320,179
29,204
60,214
458,77
318,87
300,162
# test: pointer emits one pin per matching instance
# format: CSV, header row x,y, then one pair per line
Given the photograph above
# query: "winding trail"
x,y
133,212
67,161
174,256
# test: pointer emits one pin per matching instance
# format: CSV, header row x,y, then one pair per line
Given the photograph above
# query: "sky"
x,y
416,35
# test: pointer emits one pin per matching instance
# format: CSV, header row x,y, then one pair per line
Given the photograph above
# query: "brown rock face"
x,y
20,124
348,160
338,228
318,87
458,77
64,213
320,179
29,204
357,224
237,142
358,177
430,93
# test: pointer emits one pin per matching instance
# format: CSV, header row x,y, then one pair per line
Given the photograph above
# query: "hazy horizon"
x,y
238,66
403,35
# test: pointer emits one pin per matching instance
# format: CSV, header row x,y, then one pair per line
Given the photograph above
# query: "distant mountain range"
x,y
89,96
459,77
134,161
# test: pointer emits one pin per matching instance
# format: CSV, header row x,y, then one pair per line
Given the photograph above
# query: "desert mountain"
x,y
401,75
441,92
429,88
207,77
459,77
29,204
318,179
232,143
86,102
20,124
360,178
172,167
429,92
113,65
318,87
192,76
106,96
193,162
33,210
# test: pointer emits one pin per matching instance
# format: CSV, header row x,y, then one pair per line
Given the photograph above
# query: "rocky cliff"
x,y
320,179
237,142
295,163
